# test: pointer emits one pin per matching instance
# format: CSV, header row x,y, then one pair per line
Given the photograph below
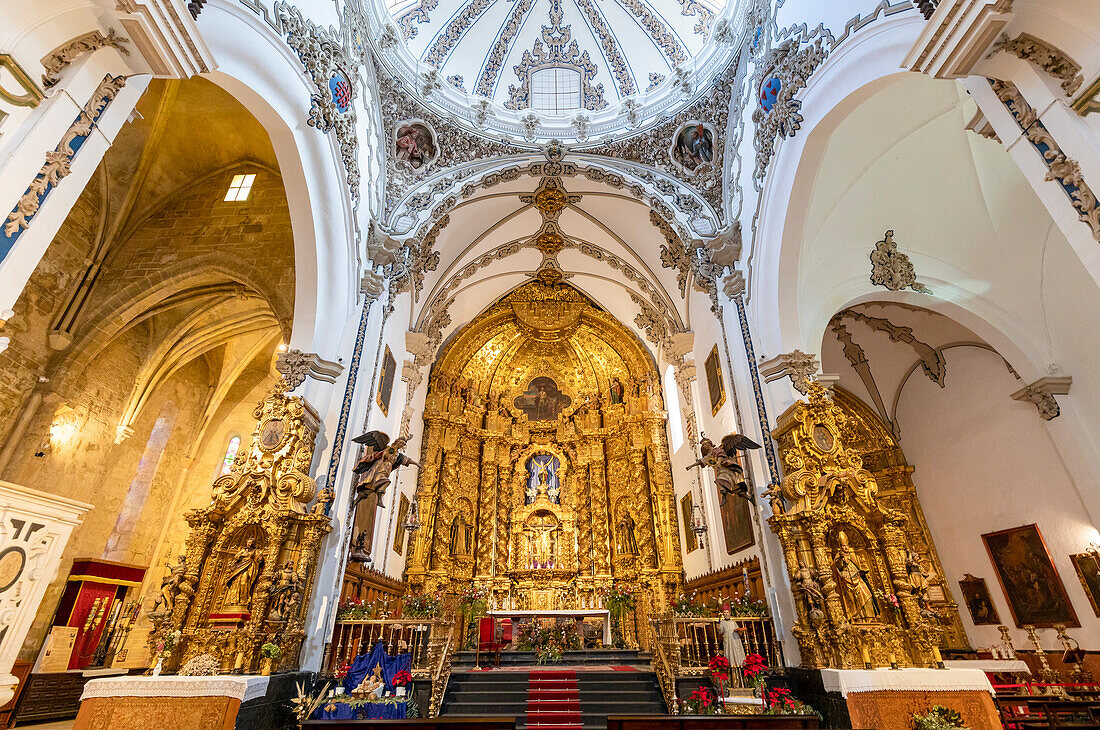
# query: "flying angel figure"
x,y
378,460
728,474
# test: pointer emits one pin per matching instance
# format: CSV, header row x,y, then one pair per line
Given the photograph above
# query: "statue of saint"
x,y
729,475
460,535
378,460
241,575
854,582
627,539
170,587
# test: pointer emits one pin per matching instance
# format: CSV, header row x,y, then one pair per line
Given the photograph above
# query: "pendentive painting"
x,y
1030,582
693,146
415,144
978,601
691,540
1088,571
542,401
385,381
715,387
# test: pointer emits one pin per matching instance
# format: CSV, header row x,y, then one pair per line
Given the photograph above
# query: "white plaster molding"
x,y
35,527
957,36
165,35
799,366
419,345
1041,394
681,344
295,366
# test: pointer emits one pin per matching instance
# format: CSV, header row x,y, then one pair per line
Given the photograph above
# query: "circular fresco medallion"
x,y
12,562
769,92
823,437
693,146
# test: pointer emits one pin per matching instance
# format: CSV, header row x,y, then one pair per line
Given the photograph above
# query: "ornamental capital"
x,y
295,366
800,367
1041,394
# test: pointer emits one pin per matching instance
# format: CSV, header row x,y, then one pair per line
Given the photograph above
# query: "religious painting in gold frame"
x,y
978,601
1035,592
399,533
715,387
736,523
691,540
1088,571
385,382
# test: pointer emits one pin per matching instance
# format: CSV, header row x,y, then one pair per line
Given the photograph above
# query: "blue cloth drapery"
x,y
363,665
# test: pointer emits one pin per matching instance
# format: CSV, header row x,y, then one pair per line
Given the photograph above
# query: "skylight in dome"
x,y
555,90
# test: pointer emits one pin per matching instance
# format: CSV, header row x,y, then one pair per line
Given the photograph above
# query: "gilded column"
x,y
504,509
486,510
601,518
584,518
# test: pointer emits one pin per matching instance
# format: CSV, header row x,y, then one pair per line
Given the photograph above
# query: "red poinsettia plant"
x,y
753,668
779,701
402,678
700,702
342,670
719,668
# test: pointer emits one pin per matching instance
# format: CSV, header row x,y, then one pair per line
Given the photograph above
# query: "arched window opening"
x,y
230,455
675,420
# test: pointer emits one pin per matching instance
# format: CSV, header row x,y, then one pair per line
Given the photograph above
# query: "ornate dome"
x,y
558,59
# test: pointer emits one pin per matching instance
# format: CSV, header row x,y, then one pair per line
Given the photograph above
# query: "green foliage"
x,y
939,718
270,651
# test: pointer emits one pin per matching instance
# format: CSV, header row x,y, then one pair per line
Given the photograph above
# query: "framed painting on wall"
x,y
399,533
715,387
1089,572
385,382
978,601
1036,595
691,540
736,523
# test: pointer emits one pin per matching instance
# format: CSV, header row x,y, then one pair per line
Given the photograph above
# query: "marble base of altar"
x,y
221,702
601,613
885,699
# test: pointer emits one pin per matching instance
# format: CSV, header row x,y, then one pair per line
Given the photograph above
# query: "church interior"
x,y
549,364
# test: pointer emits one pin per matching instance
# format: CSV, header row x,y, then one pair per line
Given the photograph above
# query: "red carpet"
x,y
553,700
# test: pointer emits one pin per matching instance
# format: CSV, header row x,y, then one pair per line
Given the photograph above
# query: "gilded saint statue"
x,y
628,541
460,535
241,576
854,582
170,587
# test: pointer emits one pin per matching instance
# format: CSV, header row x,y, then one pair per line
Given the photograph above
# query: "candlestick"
x,y
893,661
866,656
937,657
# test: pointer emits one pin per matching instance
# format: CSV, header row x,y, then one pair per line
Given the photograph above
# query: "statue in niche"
x,y
461,531
853,579
616,391
378,460
628,540
918,583
542,401
241,575
542,478
171,587
286,594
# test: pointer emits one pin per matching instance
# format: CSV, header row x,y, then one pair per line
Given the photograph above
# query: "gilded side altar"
x,y
868,584
545,473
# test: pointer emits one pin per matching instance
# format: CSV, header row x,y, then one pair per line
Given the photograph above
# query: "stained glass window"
x,y
230,455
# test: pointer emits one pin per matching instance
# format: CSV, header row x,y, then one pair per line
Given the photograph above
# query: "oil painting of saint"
x,y
542,401
1028,578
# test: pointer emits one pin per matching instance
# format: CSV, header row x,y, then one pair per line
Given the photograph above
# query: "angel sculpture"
x,y
171,587
379,459
728,473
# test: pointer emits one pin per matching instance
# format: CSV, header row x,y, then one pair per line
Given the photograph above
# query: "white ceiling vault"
x,y
497,64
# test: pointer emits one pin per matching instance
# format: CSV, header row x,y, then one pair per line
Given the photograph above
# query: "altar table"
x,y
602,613
139,703
886,699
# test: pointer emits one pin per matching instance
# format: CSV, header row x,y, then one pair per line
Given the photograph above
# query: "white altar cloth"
x,y
243,688
849,681
995,666
602,613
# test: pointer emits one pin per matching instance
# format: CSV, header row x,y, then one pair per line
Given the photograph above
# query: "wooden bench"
x,y
714,722
427,723
1048,713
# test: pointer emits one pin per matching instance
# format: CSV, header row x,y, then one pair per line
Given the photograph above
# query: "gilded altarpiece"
x,y
250,559
545,472
868,584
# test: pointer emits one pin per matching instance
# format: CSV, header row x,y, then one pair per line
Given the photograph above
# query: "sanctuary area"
x,y
549,364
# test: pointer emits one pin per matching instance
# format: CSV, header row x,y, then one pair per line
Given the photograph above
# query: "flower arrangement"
x,y
341,671
746,606
422,606
719,668
939,718
752,669
690,606
779,701
270,651
700,702
356,609
618,599
888,601
402,678
549,645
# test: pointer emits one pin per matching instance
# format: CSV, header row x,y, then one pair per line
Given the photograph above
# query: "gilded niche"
x,y
545,470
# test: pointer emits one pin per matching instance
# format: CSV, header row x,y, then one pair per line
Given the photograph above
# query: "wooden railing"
x,y
353,637
692,642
